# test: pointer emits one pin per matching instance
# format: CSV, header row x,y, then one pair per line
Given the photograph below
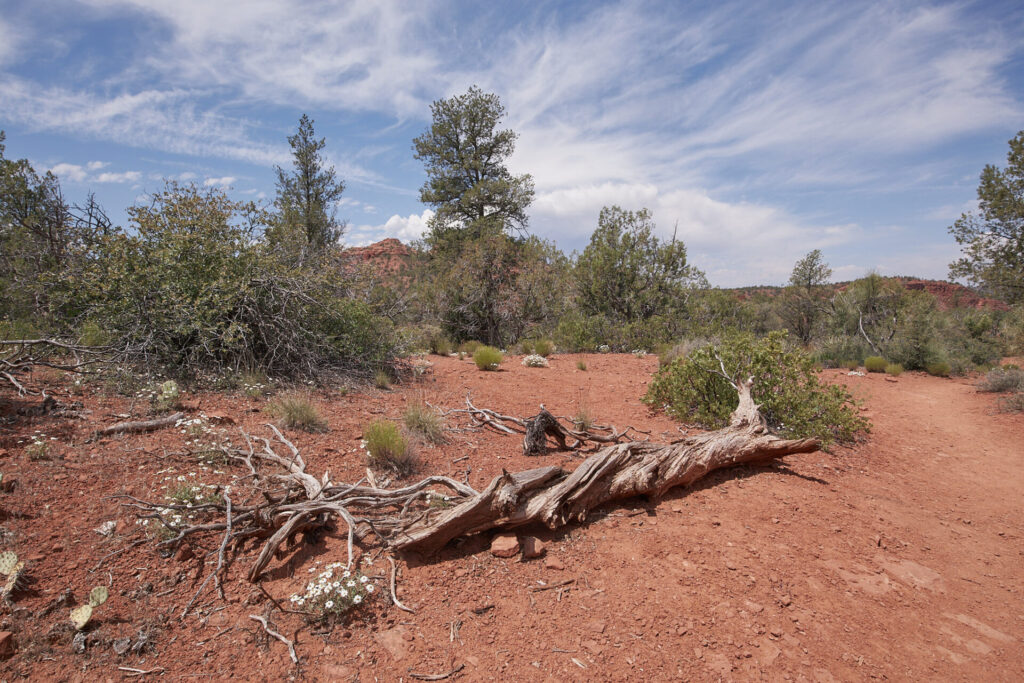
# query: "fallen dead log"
x,y
554,497
138,426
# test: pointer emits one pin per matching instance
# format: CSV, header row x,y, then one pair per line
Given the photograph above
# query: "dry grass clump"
x,y
581,365
1002,380
424,420
297,412
387,448
382,380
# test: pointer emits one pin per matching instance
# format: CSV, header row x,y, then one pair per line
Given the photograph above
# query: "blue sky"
x,y
760,130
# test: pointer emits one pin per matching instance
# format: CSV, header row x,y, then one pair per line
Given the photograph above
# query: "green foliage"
x,y
441,346
388,448
1014,403
468,184
894,369
488,358
582,421
803,303
165,397
627,274
1002,380
424,420
335,592
785,386
992,238
382,380
581,365
306,219
191,288
543,347
469,347
851,364
297,412
875,364
939,369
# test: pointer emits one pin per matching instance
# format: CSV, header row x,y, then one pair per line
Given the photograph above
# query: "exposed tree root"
x,y
139,426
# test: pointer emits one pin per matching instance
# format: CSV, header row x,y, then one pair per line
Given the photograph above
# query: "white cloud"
x,y
125,177
406,228
69,172
223,181
10,43
97,165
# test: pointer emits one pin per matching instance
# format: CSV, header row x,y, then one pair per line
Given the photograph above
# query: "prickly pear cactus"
x,y
13,577
80,616
8,561
98,596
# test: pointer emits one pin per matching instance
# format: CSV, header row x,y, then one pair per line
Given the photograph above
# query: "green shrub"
x,y
469,347
786,387
581,365
582,421
440,346
424,420
525,346
837,351
382,380
939,369
387,448
543,347
1002,380
1013,403
875,364
90,333
488,357
851,365
297,412
894,369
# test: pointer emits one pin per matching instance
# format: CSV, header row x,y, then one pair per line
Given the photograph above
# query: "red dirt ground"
x,y
900,558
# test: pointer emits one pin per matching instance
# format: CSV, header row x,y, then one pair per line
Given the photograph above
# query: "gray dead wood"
x,y
554,497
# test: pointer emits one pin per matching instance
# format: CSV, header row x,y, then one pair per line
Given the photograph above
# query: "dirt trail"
x,y
900,558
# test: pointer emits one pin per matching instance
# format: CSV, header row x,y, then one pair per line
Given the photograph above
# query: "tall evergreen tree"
x,y
306,195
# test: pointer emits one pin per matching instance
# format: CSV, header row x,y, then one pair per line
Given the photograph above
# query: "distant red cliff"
x,y
388,256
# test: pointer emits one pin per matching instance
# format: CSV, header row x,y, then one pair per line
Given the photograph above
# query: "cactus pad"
x,y
8,561
98,596
80,616
12,581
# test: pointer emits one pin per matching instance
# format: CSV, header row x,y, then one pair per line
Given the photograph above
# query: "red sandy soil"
x,y
900,558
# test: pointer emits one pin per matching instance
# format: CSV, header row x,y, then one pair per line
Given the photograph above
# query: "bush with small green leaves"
x,y
939,369
387,448
297,412
851,365
441,346
1002,380
894,369
792,399
875,364
581,365
424,420
488,358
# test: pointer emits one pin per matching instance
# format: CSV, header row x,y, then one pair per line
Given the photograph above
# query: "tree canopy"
x,y
464,154
992,238
307,194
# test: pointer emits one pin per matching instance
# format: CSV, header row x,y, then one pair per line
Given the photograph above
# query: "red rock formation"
x,y
388,256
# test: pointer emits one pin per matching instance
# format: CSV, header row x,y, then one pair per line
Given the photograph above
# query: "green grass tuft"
x,y
387,448
422,419
939,369
875,364
894,369
488,358
581,365
297,412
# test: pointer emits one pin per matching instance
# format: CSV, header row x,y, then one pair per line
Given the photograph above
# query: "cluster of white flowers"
x,y
335,591
604,348
39,446
535,361
206,442
254,389
640,353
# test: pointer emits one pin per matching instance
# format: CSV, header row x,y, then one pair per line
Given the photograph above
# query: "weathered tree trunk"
x,y
555,497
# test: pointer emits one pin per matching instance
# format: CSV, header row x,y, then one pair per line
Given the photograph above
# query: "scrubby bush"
x,y
894,369
581,365
543,347
875,364
440,346
1002,380
786,387
297,412
469,347
424,420
939,369
1013,403
535,361
382,380
839,351
387,448
851,365
488,357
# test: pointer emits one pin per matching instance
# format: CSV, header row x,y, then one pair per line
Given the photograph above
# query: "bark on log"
x,y
554,497
140,426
